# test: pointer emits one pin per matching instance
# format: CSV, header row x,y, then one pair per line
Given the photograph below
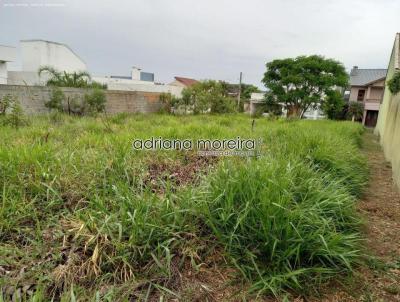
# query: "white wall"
x,y
3,72
257,96
30,78
135,85
7,54
37,53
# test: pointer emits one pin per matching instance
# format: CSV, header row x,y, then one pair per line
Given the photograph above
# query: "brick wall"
x,y
33,98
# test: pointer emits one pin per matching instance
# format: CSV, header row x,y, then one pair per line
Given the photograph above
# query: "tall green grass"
x,y
74,193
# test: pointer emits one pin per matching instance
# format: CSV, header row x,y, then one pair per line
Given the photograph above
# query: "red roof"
x,y
186,81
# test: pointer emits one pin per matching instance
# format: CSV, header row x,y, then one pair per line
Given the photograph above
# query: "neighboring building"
x,y
38,53
367,86
257,99
388,126
7,54
137,81
183,82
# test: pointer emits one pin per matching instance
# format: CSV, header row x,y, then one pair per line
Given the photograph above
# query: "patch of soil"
x,y
183,171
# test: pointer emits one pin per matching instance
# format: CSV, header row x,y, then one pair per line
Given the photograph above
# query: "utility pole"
x,y
240,89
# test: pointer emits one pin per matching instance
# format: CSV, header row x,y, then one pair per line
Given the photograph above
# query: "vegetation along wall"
x,y
33,98
388,126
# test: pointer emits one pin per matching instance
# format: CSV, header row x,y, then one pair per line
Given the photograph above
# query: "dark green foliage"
x,y
80,79
95,101
169,102
271,106
394,83
16,118
207,96
233,89
5,103
302,83
355,111
333,105
56,100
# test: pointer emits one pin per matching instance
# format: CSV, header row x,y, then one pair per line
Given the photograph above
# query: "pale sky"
x,y
206,39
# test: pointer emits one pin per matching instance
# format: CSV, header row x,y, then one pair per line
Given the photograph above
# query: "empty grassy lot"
x,y
85,217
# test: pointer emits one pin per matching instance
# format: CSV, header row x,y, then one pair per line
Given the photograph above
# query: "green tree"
x,y
355,111
333,105
207,96
81,79
247,90
16,118
302,83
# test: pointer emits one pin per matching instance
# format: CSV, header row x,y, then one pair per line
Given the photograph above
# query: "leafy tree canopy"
x,y
245,91
303,82
207,96
79,79
333,105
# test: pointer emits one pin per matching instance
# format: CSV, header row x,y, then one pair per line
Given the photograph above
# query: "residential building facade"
x,y
367,86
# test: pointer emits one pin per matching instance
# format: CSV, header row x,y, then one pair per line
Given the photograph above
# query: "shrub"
x,y
16,118
56,100
95,101
169,102
207,96
222,104
394,83
76,106
5,103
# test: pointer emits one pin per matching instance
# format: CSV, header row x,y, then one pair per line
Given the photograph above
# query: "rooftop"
x,y
362,77
186,81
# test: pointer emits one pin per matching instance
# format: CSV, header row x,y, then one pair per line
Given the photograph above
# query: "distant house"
x,y
258,99
367,86
183,82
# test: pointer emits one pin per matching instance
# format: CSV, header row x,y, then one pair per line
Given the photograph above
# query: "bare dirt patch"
x,y
186,170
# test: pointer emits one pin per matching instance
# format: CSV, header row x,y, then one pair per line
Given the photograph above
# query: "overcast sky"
x,y
213,39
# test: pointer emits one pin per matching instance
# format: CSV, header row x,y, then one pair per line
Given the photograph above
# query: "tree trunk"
x,y
353,118
294,111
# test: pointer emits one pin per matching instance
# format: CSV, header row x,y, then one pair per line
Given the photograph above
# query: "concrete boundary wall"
x,y
33,98
388,126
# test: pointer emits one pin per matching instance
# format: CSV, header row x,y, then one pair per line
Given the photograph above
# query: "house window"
x,y
361,94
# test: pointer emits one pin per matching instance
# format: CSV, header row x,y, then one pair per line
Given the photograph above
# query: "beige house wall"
x,y
388,126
